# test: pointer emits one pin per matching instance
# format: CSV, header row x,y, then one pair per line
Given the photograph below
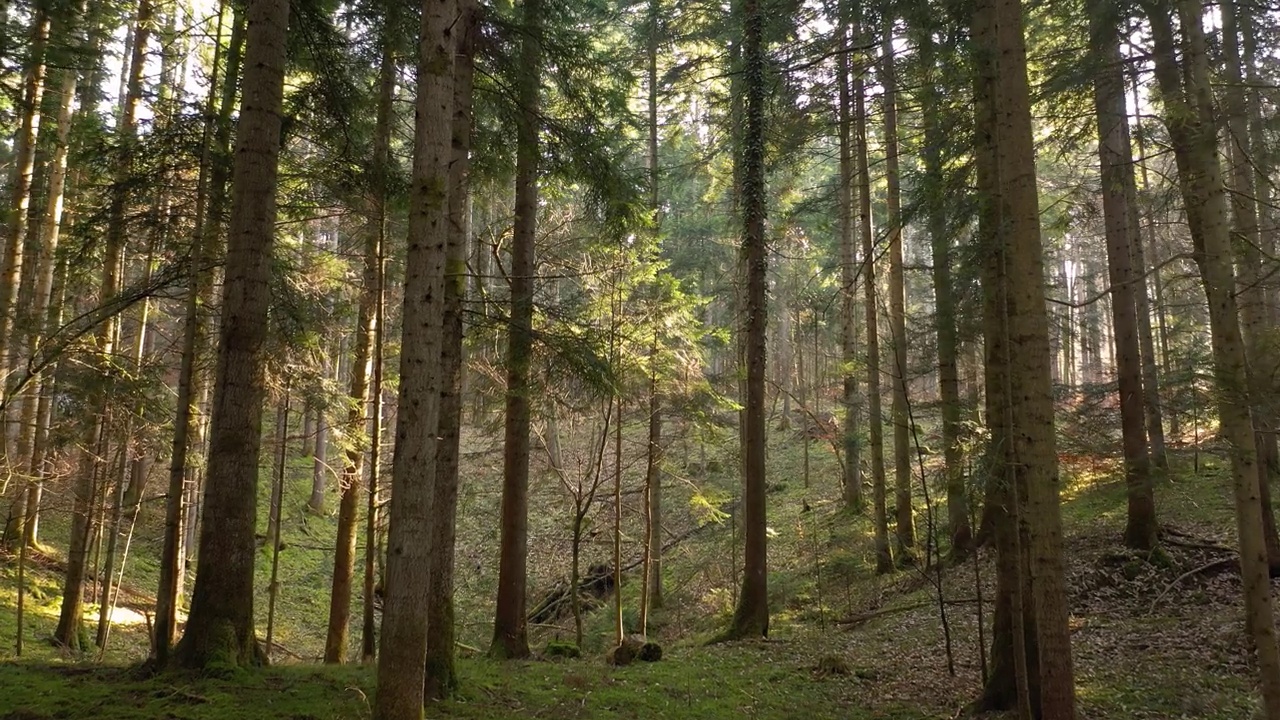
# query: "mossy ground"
x,y
1144,647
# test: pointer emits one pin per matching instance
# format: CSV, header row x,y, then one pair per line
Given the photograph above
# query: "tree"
x,y
751,617
1032,438
875,419
510,634
220,626
940,244
344,557
91,465
442,678
1188,114
412,550
1116,157
211,194
848,274
904,521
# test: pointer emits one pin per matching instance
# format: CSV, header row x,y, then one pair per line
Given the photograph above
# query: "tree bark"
x,y
1255,317
344,557
940,242
852,441
1116,157
510,634
751,617
442,675
220,626
1033,441
1189,119
875,419
412,550
210,194
904,520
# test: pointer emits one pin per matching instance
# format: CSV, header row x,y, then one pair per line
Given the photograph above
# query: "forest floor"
x,y
1157,637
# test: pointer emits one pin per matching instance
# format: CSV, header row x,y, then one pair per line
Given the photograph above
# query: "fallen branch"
x,y
856,620
1191,573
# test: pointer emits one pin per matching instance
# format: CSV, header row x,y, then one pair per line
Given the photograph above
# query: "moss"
x,y
561,649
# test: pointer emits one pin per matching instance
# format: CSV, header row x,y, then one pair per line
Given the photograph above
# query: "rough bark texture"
x,y
411,549
852,479
1255,317
510,634
442,677
1032,439
210,199
220,627
940,241
70,619
23,171
904,520
875,419
1190,121
1116,158
751,617
351,484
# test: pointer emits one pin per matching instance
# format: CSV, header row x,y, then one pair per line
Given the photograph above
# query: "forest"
x,y
889,359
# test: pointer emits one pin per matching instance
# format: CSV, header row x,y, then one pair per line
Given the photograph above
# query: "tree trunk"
x,y
654,455
442,675
940,240
1033,441
210,194
20,182
851,437
875,419
1255,318
904,521
751,617
1116,157
344,556
220,626
70,619
510,634
412,550
1189,119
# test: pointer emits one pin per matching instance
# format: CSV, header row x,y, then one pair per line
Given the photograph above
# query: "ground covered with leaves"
x,y
1154,636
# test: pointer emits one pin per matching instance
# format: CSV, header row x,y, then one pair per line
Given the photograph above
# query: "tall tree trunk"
x,y
71,617
1033,441
751,617
412,549
904,521
1116,157
851,437
940,241
510,634
344,557
220,626
442,676
875,419
1255,317
652,595
1189,119
33,422
20,181
210,195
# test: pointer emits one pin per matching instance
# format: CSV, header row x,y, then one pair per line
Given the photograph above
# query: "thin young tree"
x,y
510,632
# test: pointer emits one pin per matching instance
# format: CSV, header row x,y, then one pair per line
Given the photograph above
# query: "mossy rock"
x,y
561,649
